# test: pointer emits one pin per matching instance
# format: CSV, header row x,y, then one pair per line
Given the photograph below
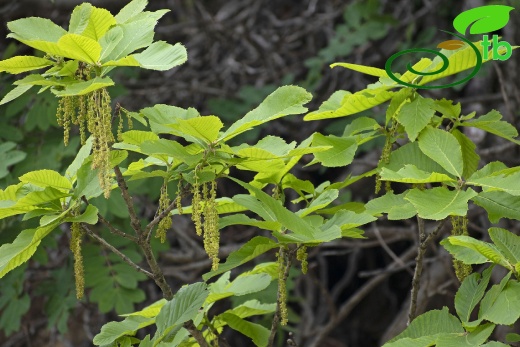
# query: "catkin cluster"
x,y
282,287
165,223
205,218
460,227
385,158
301,255
75,247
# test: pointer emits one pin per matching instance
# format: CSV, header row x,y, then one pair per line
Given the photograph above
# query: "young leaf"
x,y
443,148
501,182
411,174
470,157
23,63
184,306
131,10
488,250
203,130
35,29
80,47
110,332
470,292
79,18
492,123
410,154
109,41
341,153
505,309
415,116
85,87
395,206
464,254
138,34
14,93
46,178
369,70
162,56
258,333
439,203
100,20
353,103
284,101
23,247
253,248
499,205
507,243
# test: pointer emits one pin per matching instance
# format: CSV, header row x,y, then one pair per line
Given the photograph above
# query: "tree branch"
x,y
116,251
197,335
416,281
134,220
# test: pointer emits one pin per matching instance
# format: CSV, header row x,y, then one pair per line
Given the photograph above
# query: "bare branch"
x,y
134,220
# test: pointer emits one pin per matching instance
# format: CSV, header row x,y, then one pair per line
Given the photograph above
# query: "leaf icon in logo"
x,y
483,19
451,45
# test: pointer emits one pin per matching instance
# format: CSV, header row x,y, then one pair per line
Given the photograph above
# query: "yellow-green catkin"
x,y
211,230
166,222
195,206
301,255
75,247
460,227
282,287
385,155
178,198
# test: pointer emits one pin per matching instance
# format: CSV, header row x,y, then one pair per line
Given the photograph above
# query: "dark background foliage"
x,y
356,293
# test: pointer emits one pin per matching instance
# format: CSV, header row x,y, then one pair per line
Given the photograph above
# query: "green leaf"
x,y
353,103
79,18
286,100
410,154
253,248
496,181
429,324
439,203
184,306
399,99
14,93
488,250
23,63
109,41
411,174
470,157
258,333
466,255
39,80
415,116
323,200
470,292
83,153
80,47
447,108
395,205
162,56
35,28
507,243
341,153
110,332
205,129
244,284
443,148
46,178
90,216
506,308
499,205
85,87
23,247
242,219
369,70
132,9
492,123
136,35
346,220
482,19
100,20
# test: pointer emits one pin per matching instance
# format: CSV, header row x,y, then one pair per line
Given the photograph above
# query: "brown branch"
x,y
321,332
197,335
416,281
134,220
116,251
109,225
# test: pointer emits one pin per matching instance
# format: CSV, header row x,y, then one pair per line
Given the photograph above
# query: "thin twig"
x,y
197,335
416,281
134,220
109,225
158,218
116,251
